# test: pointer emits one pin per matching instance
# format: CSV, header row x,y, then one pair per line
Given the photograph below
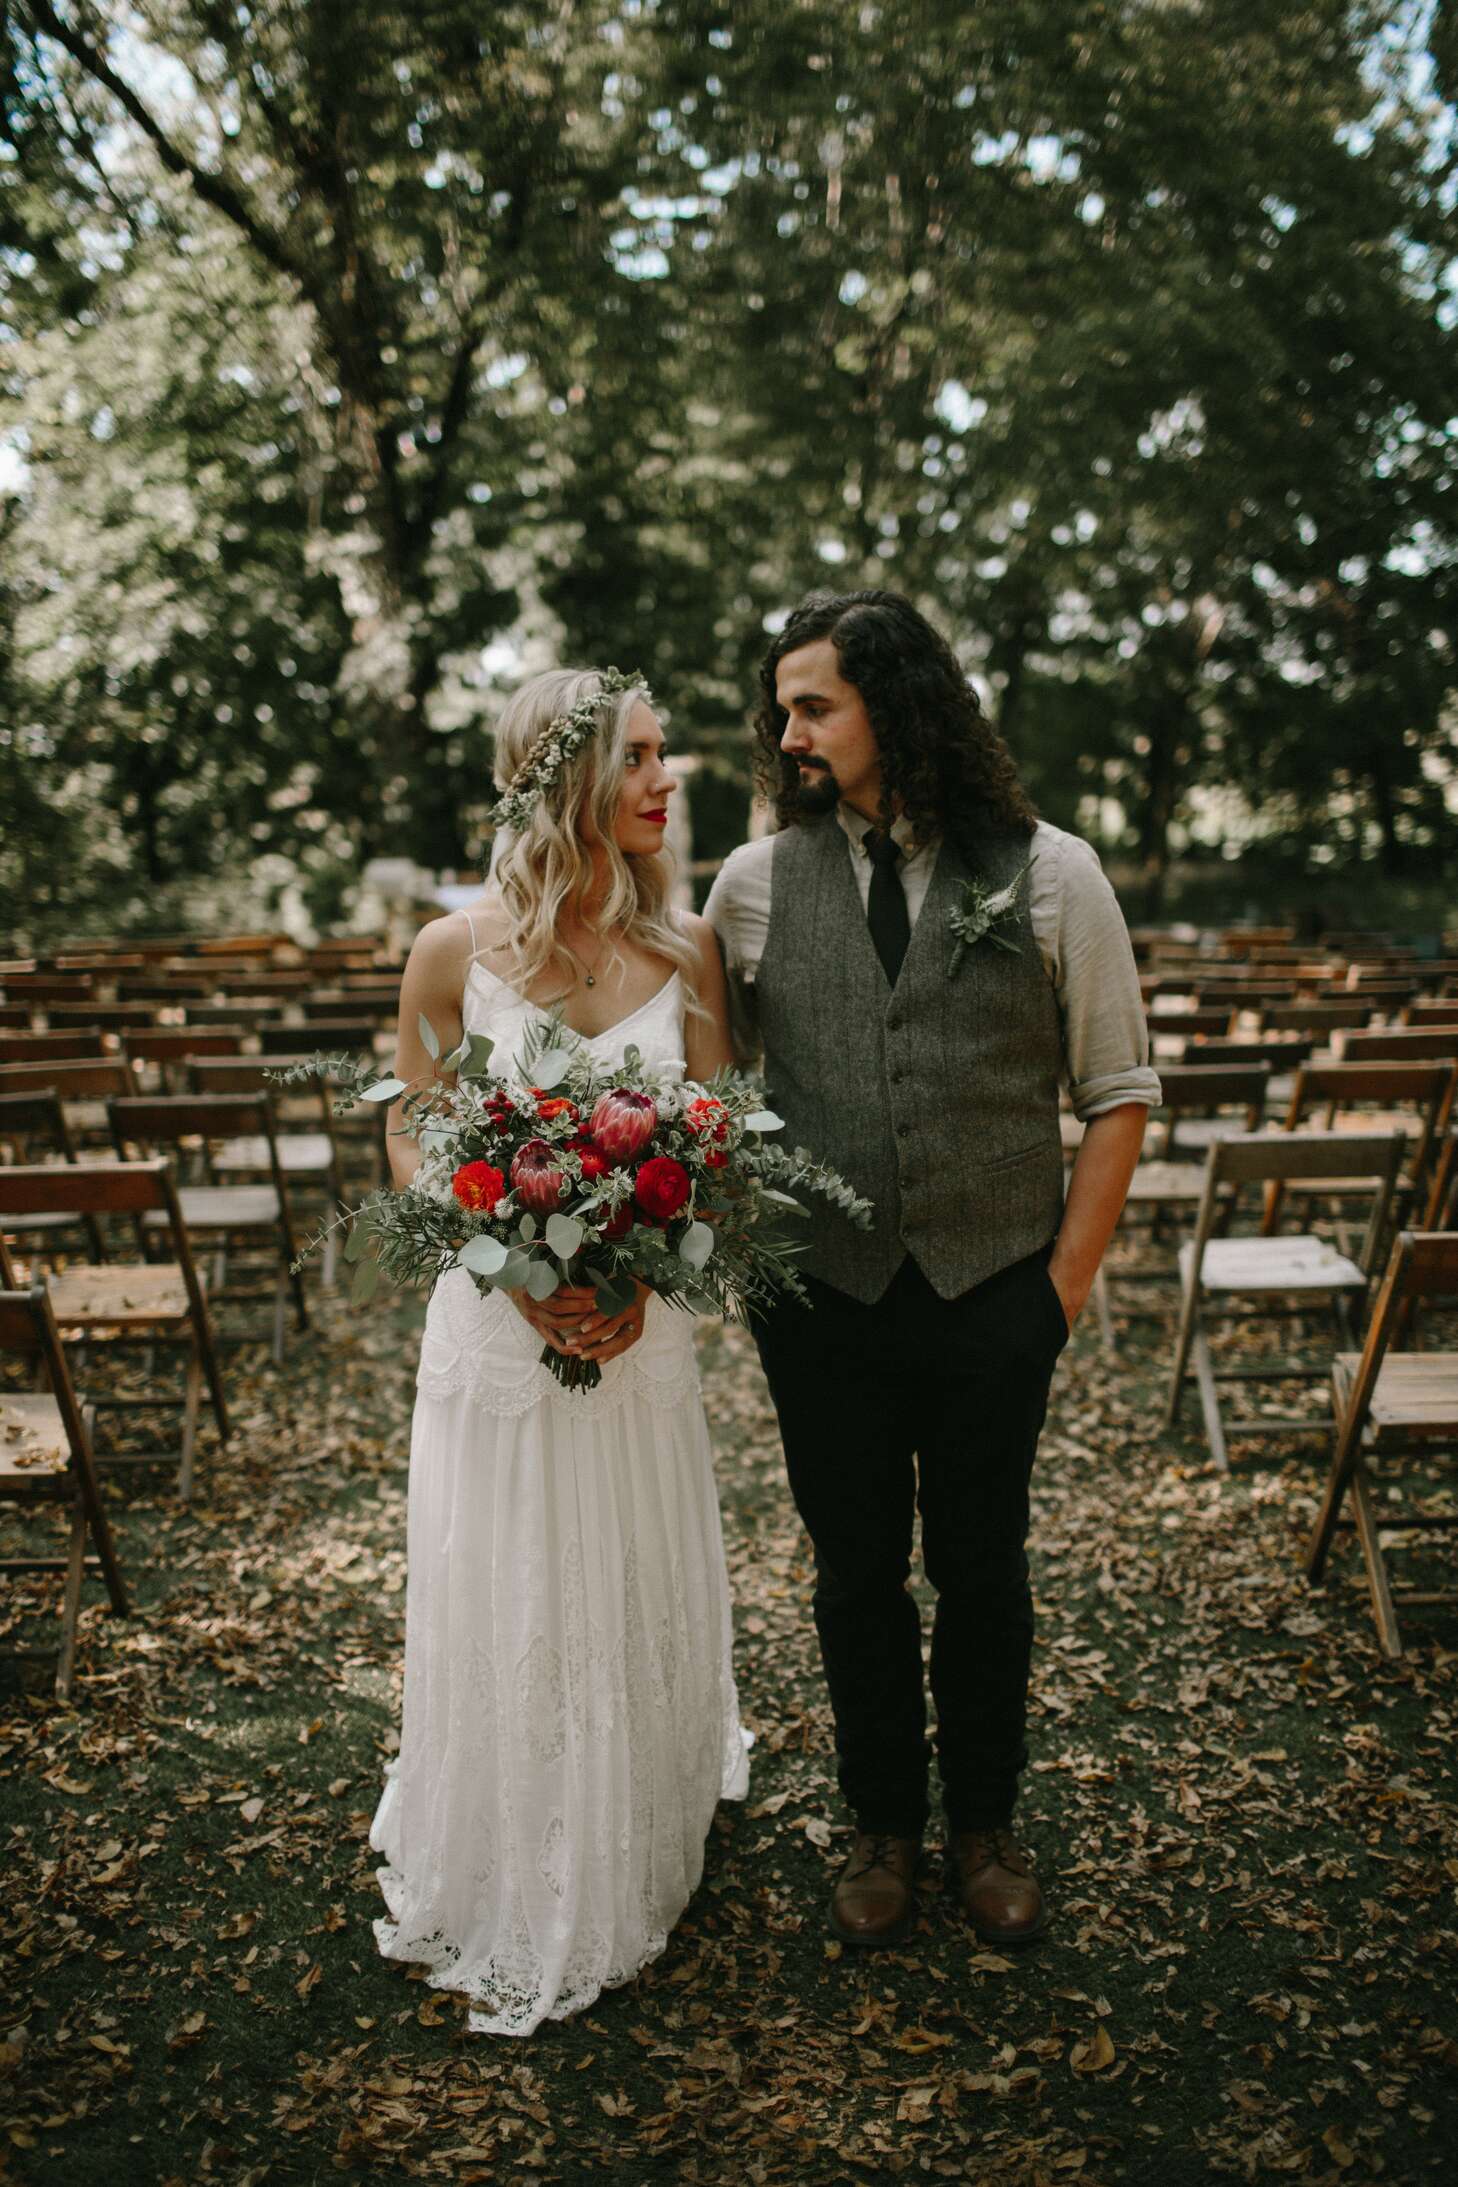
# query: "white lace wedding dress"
x,y
570,1716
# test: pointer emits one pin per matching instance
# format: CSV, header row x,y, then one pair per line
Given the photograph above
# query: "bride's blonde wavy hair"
x,y
548,866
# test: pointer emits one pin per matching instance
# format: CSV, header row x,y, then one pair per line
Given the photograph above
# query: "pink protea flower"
x,y
536,1177
623,1122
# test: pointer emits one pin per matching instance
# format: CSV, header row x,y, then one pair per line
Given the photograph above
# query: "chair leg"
x,y
296,1279
1189,1306
280,1302
1319,1545
1101,1308
192,1399
100,1525
71,1602
1210,1399
1383,1608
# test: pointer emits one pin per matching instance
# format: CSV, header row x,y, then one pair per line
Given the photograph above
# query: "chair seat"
x,y
89,1116
149,1294
32,1438
222,1207
304,1153
1167,1181
44,1220
1272,1264
1203,1131
1416,1391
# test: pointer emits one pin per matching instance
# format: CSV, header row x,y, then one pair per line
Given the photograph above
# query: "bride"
x,y
570,1716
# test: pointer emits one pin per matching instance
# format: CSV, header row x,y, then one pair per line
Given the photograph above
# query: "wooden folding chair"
x,y
1415,1099
164,1052
1386,1400
219,1215
306,1158
1430,1016
1401,1044
1292,1273
53,1047
46,1458
130,1303
33,1129
84,1089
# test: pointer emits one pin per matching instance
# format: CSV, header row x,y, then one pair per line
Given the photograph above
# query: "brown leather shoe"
x,y
874,1901
995,1882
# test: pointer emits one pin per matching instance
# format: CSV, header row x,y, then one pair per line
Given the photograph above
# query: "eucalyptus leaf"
x,y
428,1039
763,1120
484,1256
551,1067
542,1279
384,1090
366,1282
564,1235
356,1239
696,1245
518,1268
783,1199
476,1048
526,1229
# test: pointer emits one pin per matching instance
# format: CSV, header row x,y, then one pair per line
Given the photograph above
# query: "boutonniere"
x,y
983,911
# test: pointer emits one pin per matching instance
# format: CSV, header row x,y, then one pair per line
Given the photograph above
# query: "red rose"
x,y
478,1186
707,1119
594,1162
620,1222
661,1187
713,1160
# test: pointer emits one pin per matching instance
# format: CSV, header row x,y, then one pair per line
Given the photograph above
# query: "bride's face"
x,y
642,815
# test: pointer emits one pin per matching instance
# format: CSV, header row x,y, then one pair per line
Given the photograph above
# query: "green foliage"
x,y
361,356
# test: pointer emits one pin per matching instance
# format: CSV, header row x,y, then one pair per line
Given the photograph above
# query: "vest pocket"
x,y
1015,1160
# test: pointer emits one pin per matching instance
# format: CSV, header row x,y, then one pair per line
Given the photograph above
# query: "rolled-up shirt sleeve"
x,y
1085,944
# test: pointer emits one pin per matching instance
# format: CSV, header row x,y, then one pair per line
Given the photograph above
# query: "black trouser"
x,y
938,1403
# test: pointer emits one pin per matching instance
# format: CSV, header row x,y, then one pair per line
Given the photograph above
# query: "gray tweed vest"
x,y
937,1099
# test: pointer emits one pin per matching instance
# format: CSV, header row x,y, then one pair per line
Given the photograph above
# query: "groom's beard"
x,y
817,791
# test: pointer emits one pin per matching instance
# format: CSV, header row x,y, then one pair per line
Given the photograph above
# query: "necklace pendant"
x,y
591,981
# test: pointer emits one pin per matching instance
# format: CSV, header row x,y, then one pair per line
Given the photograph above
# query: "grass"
x,y
1240,1813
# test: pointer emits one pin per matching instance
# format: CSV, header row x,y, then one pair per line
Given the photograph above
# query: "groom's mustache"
x,y
808,759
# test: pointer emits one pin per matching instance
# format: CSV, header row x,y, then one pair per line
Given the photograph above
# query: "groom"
x,y
922,962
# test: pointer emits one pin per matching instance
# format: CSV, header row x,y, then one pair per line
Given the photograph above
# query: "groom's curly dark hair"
x,y
941,759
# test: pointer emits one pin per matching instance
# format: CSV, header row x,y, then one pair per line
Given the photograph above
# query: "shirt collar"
x,y
857,828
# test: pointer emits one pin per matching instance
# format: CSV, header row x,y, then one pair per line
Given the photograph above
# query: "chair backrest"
x,y
15,1016
86,1188
1420,1083
173,1043
1316,1018
1201,1087
1281,1055
1244,994
91,1080
25,1117
109,1017
164,1119
1400,1043
48,987
277,1040
52,1047
1424,1015
1192,1024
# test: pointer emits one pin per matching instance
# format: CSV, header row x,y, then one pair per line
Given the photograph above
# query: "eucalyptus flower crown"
x,y
564,737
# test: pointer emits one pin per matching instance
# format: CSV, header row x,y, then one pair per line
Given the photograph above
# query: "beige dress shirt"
x,y
1077,925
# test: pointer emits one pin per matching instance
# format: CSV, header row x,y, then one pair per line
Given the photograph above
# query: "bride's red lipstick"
x,y
659,818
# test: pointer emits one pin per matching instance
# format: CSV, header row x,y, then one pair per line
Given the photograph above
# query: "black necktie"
x,y
886,910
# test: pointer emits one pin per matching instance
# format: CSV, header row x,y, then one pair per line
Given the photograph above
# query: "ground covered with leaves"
x,y
1239,1813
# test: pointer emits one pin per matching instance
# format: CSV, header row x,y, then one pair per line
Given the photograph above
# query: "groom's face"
x,y
827,732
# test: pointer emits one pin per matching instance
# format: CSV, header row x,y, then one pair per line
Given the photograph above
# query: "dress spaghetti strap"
x,y
471,928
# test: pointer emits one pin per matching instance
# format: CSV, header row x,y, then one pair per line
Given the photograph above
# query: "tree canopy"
x,y
359,358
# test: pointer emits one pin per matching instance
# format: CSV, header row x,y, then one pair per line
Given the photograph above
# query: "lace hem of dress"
x,y
482,1347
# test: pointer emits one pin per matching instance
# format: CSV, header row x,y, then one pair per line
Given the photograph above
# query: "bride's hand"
x,y
571,1323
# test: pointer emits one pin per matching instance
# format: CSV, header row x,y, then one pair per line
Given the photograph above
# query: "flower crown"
x,y
562,740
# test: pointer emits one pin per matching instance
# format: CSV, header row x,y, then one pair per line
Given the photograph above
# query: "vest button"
x,y
904,1126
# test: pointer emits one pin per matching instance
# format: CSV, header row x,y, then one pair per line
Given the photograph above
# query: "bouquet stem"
x,y
573,1374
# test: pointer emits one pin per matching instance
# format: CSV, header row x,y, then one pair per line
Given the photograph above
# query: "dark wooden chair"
x,y
1385,1402
220,1216
53,1047
1414,1099
163,1052
126,1304
33,1129
46,1458
308,1156
1400,1044
1259,1277
83,1089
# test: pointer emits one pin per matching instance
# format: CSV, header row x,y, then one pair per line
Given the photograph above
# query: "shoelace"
x,y
877,1854
1004,1848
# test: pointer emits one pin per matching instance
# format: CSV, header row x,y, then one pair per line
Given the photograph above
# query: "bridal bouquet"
x,y
562,1173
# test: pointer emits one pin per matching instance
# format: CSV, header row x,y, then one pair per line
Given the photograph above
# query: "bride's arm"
x,y
431,988
706,1039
